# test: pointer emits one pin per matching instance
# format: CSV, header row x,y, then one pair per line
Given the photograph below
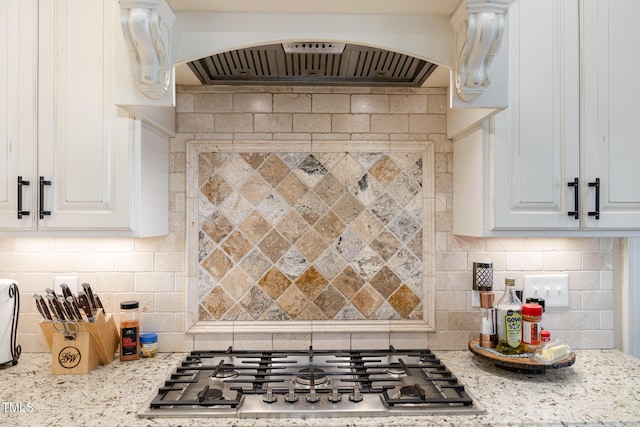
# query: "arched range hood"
x,y
224,44
312,63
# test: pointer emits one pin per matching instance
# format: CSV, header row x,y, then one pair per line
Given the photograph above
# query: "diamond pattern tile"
x,y
274,283
311,282
310,236
293,301
310,171
216,189
330,301
404,300
273,170
384,170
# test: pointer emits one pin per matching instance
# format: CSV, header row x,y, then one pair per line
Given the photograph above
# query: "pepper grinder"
x,y
488,326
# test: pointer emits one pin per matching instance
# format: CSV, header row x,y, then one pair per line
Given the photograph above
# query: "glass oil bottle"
x,y
510,321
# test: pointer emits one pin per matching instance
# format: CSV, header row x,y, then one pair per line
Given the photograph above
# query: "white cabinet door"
x,y
84,143
535,144
17,111
611,59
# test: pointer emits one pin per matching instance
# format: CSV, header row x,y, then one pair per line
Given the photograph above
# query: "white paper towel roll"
x,y
7,304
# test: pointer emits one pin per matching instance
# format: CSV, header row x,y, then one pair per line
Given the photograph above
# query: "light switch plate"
x,y
72,281
554,288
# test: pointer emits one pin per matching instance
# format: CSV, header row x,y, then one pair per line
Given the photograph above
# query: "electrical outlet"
x,y
554,288
72,281
475,299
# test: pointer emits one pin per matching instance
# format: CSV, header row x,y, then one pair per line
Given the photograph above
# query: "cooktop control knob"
x,y
312,397
291,396
269,397
355,395
335,397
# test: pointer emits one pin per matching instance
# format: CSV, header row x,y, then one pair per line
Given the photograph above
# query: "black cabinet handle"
x,y
596,184
42,184
576,198
21,182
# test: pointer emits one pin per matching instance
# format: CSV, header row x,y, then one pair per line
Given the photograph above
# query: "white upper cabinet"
x,y
610,115
80,153
18,68
568,123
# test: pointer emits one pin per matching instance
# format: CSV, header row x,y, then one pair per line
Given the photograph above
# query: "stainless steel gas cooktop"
x,y
308,384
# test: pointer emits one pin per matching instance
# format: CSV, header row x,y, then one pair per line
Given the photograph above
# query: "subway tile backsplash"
x,y
153,270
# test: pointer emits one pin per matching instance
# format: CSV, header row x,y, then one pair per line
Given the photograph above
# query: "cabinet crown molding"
x,y
146,25
478,26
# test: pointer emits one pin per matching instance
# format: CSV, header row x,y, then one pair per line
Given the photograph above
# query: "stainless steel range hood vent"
x,y
311,64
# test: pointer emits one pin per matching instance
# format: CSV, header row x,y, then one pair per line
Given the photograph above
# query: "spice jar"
x,y
129,330
148,345
545,336
531,318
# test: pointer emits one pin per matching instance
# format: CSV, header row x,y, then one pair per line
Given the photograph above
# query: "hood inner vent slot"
x,y
356,65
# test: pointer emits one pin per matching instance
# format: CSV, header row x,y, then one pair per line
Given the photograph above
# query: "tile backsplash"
x,y
153,270
310,236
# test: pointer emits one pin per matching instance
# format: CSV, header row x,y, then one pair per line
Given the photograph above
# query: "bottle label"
x,y
513,328
530,332
129,341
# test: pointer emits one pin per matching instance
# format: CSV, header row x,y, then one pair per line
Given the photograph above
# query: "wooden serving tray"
x,y
520,364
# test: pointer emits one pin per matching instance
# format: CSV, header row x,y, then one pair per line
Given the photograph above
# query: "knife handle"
x,y
90,297
66,291
42,308
99,303
83,302
57,308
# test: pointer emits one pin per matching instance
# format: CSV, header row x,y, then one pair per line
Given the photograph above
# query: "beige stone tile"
x,y
453,300
597,339
389,123
232,122
312,123
369,340
408,103
350,123
330,340
213,102
330,103
272,122
597,260
291,341
194,122
437,104
252,102
184,102
431,123
562,261
597,300
297,137
451,261
169,302
146,282
507,244
369,103
292,102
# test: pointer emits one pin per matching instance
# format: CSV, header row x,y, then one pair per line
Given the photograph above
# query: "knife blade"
x,y
84,304
57,308
90,297
76,310
42,308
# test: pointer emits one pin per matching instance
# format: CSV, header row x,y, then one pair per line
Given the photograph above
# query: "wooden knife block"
x,y
96,344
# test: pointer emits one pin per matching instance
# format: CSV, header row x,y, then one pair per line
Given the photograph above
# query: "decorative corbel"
x,y
146,25
478,26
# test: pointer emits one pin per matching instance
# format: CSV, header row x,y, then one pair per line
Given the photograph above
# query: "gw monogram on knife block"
x,y
78,342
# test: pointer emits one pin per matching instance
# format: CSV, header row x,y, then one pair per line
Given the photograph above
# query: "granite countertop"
x,y
601,388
